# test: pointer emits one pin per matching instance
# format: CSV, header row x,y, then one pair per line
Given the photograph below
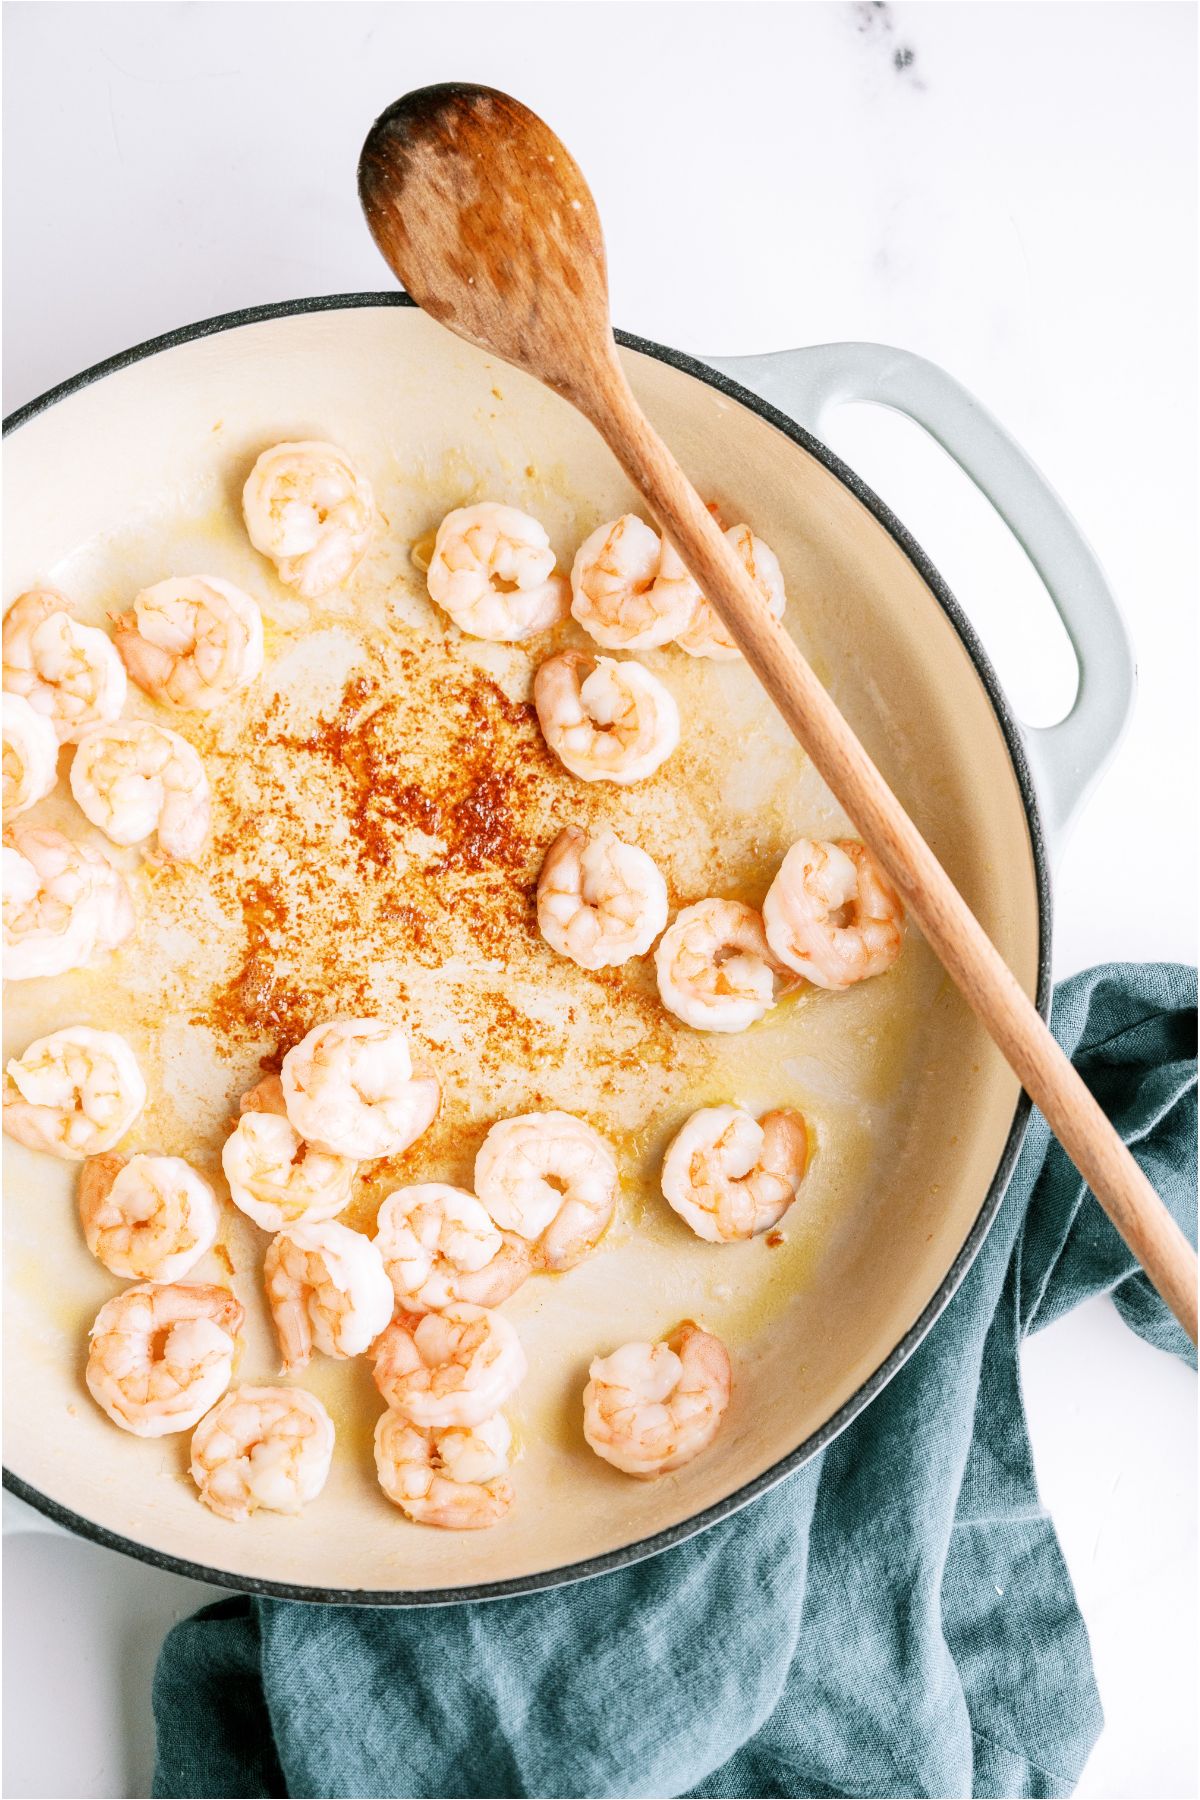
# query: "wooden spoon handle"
x,y
956,936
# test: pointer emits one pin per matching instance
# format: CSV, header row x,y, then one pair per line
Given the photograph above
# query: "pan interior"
x,y
383,799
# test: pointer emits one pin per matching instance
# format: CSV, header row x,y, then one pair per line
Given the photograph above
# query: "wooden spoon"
x,y
486,220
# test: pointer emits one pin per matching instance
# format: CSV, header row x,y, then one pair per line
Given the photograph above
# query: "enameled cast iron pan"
x,y
131,472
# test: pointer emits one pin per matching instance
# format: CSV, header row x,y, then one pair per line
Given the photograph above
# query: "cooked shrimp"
x,y
512,1264
192,642
131,778
599,900
454,1367
267,1447
149,1219
63,904
30,756
266,1096
73,1093
624,593
439,1244
832,915
349,1089
730,1176
456,1478
492,570
707,634
715,968
161,1356
326,1287
649,1408
70,673
277,1179
552,1180
605,720
311,512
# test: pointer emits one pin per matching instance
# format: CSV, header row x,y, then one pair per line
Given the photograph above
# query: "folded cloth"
x,y
894,1619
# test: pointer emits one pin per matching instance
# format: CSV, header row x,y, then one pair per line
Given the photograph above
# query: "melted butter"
x,y
422,550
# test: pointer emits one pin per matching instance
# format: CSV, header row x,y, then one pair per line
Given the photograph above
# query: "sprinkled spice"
x,y
398,829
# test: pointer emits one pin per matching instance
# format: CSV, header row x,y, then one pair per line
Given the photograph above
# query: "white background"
x,y
1016,201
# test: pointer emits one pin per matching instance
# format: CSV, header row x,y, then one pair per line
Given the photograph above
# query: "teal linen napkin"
x,y
894,1619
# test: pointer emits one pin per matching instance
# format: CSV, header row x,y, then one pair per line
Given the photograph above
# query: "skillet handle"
x,y
1067,758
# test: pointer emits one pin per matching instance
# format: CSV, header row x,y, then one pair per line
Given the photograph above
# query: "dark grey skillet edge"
x,y
678,1534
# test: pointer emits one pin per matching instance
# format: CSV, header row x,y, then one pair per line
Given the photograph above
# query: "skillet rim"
x,y
627,1554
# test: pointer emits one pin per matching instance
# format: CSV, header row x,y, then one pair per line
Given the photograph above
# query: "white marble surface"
x,y
1015,202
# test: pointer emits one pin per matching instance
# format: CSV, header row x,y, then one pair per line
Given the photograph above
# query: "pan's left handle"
x,y
1067,758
